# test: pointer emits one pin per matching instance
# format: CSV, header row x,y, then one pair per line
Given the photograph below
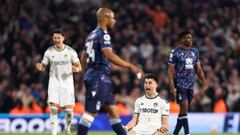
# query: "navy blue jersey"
x,y
94,43
184,61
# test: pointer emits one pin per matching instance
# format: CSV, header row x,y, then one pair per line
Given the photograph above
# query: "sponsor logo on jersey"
x,y
65,56
60,62
148,110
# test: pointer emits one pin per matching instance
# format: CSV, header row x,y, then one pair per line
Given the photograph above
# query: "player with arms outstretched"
x,y
96,58
63,62
151,111
183,64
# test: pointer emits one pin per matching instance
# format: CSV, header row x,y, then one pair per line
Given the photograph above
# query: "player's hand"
x,y
174,93
40,67
75,69
137,71
204,88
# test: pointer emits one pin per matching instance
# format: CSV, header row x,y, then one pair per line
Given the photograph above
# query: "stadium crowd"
x,y
145,33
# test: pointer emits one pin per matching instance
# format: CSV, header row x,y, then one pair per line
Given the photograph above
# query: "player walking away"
x,y
151,111
96,56
183,63
63,62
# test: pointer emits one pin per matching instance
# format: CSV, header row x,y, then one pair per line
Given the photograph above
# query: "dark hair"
x,y
184,33
151,76
58,31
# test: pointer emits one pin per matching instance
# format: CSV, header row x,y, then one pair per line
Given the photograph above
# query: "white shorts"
x,y
144,131
61,95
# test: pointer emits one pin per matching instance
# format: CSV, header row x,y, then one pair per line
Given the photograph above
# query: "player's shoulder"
x,y
70,48
163,99
139,99
50,49
194,49
98,33
176,49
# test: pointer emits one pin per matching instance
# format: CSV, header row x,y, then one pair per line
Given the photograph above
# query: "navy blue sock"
x,y
117,126
82,130
84,124
178,125
185,124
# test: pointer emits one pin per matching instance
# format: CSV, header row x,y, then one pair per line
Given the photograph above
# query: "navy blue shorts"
x,y
184,94
98,93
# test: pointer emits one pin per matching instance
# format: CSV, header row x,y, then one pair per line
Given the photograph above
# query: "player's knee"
x,y
53,110
69,114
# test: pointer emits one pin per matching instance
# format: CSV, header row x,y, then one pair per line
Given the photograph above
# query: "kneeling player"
x,y
151,111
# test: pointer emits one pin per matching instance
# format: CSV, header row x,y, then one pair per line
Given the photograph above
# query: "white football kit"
x,y
150,111
60,85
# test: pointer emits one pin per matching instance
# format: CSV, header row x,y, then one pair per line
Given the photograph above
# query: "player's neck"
x,y
185,47
103,27
59,47
151,95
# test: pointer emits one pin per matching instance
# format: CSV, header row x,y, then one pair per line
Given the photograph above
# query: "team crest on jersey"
x,y
65,56
106,37
155,105
141,103
189,61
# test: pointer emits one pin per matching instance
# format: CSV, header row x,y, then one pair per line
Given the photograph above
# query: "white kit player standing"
x,y
151,111
63,62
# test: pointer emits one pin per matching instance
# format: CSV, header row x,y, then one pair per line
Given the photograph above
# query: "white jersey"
x,y
150,111
60,74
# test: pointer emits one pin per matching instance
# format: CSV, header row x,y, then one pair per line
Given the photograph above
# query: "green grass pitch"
x,y
103,133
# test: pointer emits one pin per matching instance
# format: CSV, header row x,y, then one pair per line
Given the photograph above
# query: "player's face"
x,y
187,40
150,86
58,39
111,21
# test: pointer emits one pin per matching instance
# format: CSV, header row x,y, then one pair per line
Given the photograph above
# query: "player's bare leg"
x,y
53,117
85,123
69,117
115,119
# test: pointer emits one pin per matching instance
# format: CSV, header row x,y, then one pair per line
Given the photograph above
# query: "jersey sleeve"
x,y
137,106
165,108
172,57
106,41
197,56
45,59
74,58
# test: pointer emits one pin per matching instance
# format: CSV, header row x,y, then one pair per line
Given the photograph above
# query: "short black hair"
x,y
183,33
58,31
151,76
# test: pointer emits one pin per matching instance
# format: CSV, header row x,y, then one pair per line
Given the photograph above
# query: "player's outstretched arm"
x,y
120,62
132,123
40,67
201,76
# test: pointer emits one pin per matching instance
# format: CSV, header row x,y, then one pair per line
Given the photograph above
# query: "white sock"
x,y
69,117
54,119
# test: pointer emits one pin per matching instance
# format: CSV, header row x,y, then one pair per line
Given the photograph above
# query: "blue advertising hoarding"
x,y
198,122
